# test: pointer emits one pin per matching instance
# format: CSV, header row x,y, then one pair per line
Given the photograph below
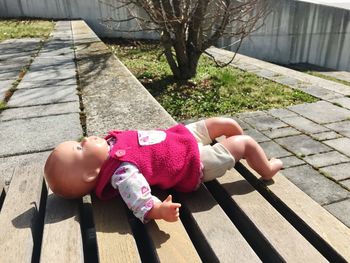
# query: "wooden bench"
x,y
237,218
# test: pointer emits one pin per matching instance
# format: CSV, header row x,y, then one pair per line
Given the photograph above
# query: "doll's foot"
x,y
275,166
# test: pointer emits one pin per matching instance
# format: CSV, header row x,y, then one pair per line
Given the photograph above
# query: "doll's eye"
x,y
79,147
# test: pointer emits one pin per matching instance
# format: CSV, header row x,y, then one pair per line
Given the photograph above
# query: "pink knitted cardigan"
x,y
172,163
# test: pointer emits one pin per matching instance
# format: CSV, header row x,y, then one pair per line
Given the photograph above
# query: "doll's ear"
x,y
91,176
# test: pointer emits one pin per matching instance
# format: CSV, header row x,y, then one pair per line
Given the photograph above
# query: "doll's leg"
x,y
219,126
243,146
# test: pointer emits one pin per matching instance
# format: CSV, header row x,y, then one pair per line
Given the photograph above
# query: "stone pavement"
x,y
44,110
312,139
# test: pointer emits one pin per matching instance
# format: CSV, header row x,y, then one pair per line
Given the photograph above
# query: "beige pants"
x,y
216,159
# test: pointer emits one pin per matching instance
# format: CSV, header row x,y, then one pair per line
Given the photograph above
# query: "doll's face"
x,y
72,168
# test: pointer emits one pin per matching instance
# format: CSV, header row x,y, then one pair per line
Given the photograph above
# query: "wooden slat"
x,y
20,214
171,240
335,233
114,236
284,238
62,239
221,234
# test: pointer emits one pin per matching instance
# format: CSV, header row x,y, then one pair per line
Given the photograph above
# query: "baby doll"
x,y
128,162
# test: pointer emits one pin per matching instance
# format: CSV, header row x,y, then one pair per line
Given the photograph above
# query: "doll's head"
x,y
72,168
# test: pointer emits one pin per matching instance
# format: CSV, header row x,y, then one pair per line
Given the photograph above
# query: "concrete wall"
x,y
293,32
302,32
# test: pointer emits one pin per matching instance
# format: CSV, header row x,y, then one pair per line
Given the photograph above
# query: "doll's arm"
x,y
166,210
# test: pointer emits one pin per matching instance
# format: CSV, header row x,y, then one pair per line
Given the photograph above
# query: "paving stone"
x,y
9,75
265,73
342,145
317,186
282,113
343,101
39,111
346,183
302,145
256,135
291,161
5,85
337,172
272,149
58,73
253,114
321,112
265,122
321,93
48,82
341,127
288,81
17,55
243,124
340,210
281,132
8,164
38,134
305,125
25,44
38,96
326,159
325,136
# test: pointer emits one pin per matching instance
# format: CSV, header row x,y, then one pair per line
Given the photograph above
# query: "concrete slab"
x,y
341,127
265,122
272,149
318,187
326,159
5,85
47,83
343,102
291,161
346,183
340,210
39,96
321,112
325,136
39,111
337,172
258,136
288,81
57,73
282,113
9,75
302,145
38,134
342,145
8,164
282,132
321,93
305,125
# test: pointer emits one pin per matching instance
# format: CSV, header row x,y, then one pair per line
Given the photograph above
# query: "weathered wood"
x,y
223,238
62,239
330,229
20,214
171,240
287,242
114,236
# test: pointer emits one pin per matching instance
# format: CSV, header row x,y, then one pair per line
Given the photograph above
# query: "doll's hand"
x,y
166,210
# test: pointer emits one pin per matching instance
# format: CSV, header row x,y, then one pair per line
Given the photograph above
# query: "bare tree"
x,y
188,27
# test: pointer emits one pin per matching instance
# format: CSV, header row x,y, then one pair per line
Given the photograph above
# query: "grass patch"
x,y
25,28
214,91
